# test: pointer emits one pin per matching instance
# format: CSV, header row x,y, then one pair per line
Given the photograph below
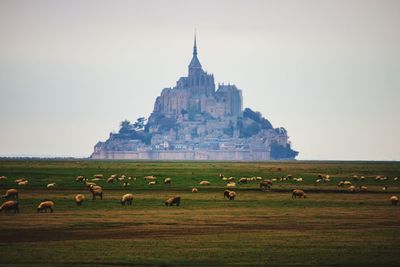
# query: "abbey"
x,y
196,121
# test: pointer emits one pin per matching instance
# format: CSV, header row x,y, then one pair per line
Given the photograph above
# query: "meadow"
x,y
331,227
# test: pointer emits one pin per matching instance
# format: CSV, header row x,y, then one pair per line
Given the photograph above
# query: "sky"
x,y
327,71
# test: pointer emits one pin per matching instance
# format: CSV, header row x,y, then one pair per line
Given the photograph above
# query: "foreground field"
x,y
329,228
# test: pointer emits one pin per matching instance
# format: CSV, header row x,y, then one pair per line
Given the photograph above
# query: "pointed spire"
x,y
195,45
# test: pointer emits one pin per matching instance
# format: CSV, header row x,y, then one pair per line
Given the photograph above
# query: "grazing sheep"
x,y
96,191
385,188
396,178
121,179
126,184
127,199
195,190
266,184
152,183
289,176
226,193
259,178
150,178
347,183
363,188
394,200
96,179
274,179
11,193
298,179
298,193
242,181
352,189
231,184
224,179
111,180
232,195
23,183
318,180
167,181
355,177
3,178
205,183
231,179
51,186
9,205
20,180
340,184
362,178
45,205
79,198
80,178
89,184
221,176
173,201
99,176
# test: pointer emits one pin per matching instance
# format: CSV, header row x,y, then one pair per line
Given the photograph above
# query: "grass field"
x,y
331,227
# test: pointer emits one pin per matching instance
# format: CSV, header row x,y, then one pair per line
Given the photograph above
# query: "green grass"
x,y
331,227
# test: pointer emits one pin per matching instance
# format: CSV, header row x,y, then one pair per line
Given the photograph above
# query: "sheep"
x,y
3,178
23,183
110,180
232,195
363,188
11,193
231,184
204,183
396,178
362,178
298,193
51,186
221,176
79,198
259,178
318,180
167,181
96,191
99,176
20,180
121,179
224,179
226,193
89,184
394,200
266,184
126,184
242,181
355,177
152,183
150,178
347,183
173,200
127,199
298,179
385,188
10,205
80,178
195,190
289,176
231,179
340,184
45,205
95,179
352,189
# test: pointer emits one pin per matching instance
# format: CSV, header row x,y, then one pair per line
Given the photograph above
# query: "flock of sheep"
x,y
127,199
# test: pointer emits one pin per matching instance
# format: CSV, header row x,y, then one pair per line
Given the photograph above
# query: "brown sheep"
x,y
266,184
195,190
96,191
226,193
173,201
363,188
11,193
232,195
79,199
394,200
20,180
3,178
45,205
127,199
10,205
352,189
80,178
242,181
298,193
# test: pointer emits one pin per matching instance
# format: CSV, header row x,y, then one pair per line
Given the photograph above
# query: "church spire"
x,y
195,45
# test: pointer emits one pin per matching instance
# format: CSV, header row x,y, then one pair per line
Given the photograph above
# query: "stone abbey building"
x,y
197,121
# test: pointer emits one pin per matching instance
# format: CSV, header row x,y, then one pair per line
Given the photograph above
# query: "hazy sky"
x,y
327,71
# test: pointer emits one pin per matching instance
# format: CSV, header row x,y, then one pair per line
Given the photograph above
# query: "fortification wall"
x,y
240,155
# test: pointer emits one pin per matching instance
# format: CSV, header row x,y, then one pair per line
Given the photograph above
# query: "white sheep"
x,y
167,181
231,184
394,200
45,205
152,182
23,183
3,178
79,198
204,183
51,185
195,190
127,199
